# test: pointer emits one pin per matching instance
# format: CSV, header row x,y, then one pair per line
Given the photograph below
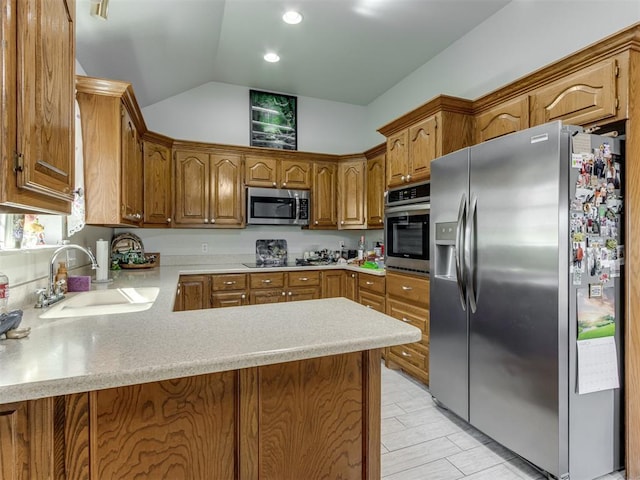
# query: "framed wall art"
x,y
273,120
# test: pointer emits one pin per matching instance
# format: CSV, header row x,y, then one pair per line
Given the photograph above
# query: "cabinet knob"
x,y
168,220
379,220
353,275
368,306
408,178
275,184
405,319
230,283
266,281
402,178
284,293
290,293
405,354
284,184
206,220
213,220
243,296
341,222
369,283
316,222
303,279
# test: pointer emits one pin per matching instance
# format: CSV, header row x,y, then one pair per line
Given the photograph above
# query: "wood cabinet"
x,y
375,190
303,285
503,119
268,287
111,125
352,175
371,290
351,285
229,290
208,189
38,114
265,171
323,196
192,293
587,96
272,421
333,283
440,126
407,299
158,193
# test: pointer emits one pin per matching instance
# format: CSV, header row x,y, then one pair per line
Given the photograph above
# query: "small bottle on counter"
x,y
62,275
361,248
4,293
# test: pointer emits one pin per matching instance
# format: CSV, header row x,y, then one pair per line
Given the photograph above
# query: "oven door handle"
x,y
459,250
413,208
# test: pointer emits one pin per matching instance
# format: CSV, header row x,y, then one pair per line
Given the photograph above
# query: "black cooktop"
x,y
300,262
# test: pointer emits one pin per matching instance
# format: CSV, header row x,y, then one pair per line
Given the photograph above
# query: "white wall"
x,y
522,37
219,113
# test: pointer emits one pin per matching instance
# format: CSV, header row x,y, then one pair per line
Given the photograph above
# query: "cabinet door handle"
x,y
405,319
230,283
369,283
267,281
405,288
178,291
405,354
303,279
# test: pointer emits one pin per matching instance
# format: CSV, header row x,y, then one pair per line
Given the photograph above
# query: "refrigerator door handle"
x,y
470,253
459,248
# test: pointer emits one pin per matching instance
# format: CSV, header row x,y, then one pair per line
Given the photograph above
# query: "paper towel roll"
x,y
102,256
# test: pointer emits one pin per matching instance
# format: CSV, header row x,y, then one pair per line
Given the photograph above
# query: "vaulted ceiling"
x,y
348,51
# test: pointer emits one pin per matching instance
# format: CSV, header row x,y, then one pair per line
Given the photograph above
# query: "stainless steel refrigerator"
x,y
505,281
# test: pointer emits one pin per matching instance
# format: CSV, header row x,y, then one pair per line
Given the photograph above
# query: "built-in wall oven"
x,y
406,228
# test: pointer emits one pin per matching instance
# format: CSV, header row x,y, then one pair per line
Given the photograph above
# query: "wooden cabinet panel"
x,y
131,175
192,188
409,313
295,294
267,280
324,192
584,97
260,171
351,286
273,295
295,174
227,193
182,428
229,299
45,66
423,147
351,194
372,300
333,283
410,288
375,192
192,293
372,283
157,184
397,158
304,278
503,119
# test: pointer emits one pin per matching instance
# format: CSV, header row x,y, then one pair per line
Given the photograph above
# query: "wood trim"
x,y
158,138
632,278
76,436
441,103
248,446
371,430
373,152
41,438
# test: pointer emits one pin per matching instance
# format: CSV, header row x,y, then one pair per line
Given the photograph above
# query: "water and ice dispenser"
x,y
445,251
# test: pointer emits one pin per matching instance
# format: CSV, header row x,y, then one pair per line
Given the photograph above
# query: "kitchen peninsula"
x,y
288,390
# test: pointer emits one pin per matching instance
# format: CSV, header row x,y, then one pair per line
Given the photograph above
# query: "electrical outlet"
x,y
340,244
205,247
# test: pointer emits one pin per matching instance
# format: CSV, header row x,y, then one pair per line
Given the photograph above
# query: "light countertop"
x,y
70,355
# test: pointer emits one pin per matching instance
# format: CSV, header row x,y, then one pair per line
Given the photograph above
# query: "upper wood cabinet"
x,y
38,120
351,194
156,152
208,189
441,126
111,126
264,171
375,191
324,193
503,119
587,96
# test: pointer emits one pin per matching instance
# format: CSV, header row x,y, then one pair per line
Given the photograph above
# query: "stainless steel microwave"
x,y
273,206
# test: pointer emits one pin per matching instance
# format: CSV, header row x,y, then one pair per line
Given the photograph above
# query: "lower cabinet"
x,y
333,283
273,421
192,293
371,290
407,299
229,290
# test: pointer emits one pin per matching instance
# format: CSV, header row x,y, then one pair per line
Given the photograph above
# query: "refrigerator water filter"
x,y
102,256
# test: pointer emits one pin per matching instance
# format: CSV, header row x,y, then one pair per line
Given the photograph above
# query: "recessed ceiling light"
x,y
271,57
292,17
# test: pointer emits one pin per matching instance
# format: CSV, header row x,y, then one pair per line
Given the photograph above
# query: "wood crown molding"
x,y
373,152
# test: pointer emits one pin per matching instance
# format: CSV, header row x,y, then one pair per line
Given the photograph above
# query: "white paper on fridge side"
x,y
597,365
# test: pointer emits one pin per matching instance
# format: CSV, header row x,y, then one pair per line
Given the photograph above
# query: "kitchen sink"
x,y
103,302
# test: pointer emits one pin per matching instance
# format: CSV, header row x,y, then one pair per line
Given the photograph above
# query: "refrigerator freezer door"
x,y
448,345
514,338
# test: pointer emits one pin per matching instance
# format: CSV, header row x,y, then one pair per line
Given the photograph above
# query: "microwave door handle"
x,y
470,253
297,208
459,250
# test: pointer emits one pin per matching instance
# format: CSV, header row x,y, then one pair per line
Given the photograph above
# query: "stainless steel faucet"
x,y
53,293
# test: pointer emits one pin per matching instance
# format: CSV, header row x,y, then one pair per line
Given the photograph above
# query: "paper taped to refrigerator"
x,y
597,365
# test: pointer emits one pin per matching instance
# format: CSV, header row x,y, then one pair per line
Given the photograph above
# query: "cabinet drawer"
x,y
414,353
372,300
406,287
267,280
304,279
229,299
231,281
371,282
408,313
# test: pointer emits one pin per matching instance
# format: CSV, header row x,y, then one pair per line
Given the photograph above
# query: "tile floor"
x,y
421,441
